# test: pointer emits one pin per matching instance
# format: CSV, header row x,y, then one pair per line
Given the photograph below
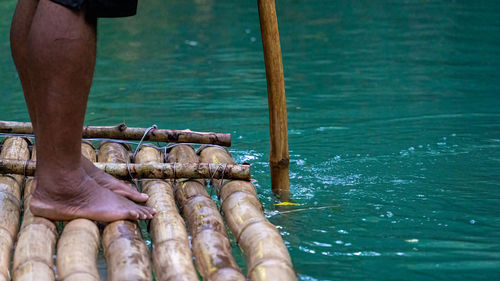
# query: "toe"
x,y
149,215
143,215
150,210
117,186
130,193
134,215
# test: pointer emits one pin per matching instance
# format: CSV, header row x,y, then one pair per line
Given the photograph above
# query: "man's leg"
x,y
21,25
61,50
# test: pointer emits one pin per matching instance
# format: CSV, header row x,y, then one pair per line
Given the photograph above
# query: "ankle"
x,y
54,165
60,184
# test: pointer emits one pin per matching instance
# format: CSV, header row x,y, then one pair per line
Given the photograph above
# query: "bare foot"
x,y
70,194
112,183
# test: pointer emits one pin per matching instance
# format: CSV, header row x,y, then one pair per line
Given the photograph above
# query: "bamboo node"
x,y
121,127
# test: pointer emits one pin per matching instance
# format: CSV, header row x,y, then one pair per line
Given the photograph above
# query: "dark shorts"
x,y
103,8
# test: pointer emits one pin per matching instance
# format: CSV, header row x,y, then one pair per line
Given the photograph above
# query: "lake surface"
x,y
393,110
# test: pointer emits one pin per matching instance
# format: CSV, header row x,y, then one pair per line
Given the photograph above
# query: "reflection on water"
x,y
393,115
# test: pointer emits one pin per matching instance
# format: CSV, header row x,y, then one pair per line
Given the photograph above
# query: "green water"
x,y
394,120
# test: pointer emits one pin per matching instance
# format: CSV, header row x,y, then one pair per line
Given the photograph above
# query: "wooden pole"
x,y
146,170
123,132
279,159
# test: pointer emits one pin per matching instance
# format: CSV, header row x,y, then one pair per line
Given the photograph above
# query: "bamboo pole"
x,y
33,256
146,171
266,254
77,251
279,159
125,133
88,151
10,201
126,253
211,245
78,247
172,257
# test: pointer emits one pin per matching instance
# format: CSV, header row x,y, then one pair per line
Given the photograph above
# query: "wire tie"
x,y
128,169
153,127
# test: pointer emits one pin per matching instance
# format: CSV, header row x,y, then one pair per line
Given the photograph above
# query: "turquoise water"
x,y
394,121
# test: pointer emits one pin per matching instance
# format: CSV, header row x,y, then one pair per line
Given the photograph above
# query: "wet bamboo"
x,y
10,201
125,251
211,245
33,256
123,132
78,247
279,159
172,257
149,170
266,254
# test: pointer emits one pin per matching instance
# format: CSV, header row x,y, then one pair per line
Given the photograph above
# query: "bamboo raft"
x,y
177,185
188,235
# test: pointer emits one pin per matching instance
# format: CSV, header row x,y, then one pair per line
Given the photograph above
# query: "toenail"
x,y
144,195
